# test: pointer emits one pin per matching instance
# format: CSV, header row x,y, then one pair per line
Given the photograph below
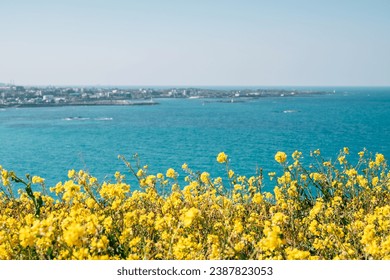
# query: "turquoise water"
x,y
50,141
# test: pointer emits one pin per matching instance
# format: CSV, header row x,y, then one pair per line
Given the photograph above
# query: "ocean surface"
x,y
51,140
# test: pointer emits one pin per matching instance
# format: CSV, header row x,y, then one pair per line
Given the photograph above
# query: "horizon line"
x,y
185,86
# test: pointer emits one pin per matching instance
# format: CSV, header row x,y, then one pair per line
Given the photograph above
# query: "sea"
x,y
49,141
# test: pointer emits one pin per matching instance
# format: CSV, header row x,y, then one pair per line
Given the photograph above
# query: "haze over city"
x,y
194,43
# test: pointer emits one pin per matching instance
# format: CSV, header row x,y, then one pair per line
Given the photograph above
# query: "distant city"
x,y
33,96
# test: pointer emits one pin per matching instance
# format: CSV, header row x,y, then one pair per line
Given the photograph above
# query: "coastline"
x,y
100,103
19,96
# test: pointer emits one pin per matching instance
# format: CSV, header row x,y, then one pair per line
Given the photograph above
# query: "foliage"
x,y
330,210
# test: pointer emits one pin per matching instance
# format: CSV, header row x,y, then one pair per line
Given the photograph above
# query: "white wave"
x,y
75,119
103,119
289,111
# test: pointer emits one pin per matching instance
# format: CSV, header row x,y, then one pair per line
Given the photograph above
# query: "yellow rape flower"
x,y
171,173
37,180
73,235
92,180
205,177
295,254
280,157
379,158
317,176
351,172
222,157
190,216
5,177
296,155
257,198
27,237
341,159
71,173
238,227
140,172
239,246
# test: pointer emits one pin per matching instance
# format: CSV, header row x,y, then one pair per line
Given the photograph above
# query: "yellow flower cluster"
x,y
281,157
222,157
322,212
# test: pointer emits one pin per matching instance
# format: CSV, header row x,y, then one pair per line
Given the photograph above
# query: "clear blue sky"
x,y
212,42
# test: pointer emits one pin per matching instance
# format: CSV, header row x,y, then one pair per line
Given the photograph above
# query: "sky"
x,y
190,43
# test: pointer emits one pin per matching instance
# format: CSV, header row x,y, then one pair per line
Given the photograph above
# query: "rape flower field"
x,y
329,210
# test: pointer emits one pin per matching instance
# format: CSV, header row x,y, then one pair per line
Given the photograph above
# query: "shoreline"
x,y
126,102
19,96
108,103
